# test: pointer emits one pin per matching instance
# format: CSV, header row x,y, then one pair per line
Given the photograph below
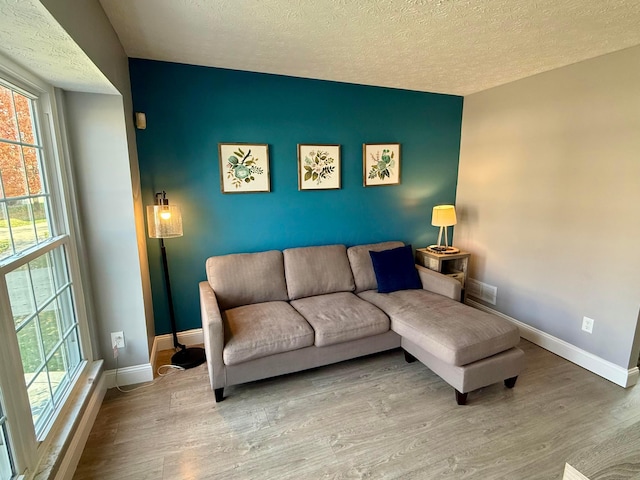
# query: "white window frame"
x,y
28,449
5,446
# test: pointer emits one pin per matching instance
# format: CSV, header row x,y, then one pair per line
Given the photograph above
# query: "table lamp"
x,y
443,216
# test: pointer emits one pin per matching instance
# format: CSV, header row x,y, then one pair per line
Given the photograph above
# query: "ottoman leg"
x,y
461,398
510,382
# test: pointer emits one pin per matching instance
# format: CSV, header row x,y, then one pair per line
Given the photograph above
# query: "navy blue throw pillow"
x,y
395,269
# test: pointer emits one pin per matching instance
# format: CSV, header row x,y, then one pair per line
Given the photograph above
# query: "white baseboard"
x,y
188,337
612,372
165,342
129,375
76,446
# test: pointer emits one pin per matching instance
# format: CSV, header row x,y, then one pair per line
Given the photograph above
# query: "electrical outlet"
x,y
117,339
587,324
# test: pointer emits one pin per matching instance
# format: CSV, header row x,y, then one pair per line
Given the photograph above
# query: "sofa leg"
x,y
510,382
461,398
408,357
219,393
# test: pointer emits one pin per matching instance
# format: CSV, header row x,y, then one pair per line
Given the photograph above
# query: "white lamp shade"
x,y
164,221
444,216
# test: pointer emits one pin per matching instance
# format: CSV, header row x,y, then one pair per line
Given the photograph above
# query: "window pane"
x,y
8,125
42,279
41,293
6,249
25,118
22,224
40,397
24,218
14,174
31,158
38,206
73,351
49,328
60,273
23,304
66,312
57,368
30,351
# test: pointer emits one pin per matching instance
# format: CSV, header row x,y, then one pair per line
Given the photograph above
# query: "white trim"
x,y
74,451
129,375
165,342
612,372
10,264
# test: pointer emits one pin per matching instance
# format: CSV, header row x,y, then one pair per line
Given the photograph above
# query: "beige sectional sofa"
x,y
271,313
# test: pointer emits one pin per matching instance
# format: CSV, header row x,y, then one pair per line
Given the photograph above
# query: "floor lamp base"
x,y
188,357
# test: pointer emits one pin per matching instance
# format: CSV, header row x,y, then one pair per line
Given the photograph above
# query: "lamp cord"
x,y
153,382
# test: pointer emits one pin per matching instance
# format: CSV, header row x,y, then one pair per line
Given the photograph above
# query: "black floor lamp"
x,y
165,221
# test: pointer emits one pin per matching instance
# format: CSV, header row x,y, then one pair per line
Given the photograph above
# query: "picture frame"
x,y
244,167
319,167
381,164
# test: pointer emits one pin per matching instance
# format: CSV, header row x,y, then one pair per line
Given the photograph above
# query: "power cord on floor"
x,y
171,369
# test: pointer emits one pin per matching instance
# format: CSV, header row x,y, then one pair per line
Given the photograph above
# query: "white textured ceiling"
x,y
446,46
31,37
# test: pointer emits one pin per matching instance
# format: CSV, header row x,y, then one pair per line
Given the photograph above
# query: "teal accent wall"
x,y
191,109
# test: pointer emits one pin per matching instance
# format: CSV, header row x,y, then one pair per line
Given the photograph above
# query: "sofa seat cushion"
x,y
450,330
341,317
263,329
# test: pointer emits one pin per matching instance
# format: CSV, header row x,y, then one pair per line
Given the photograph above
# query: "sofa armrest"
x,y
438,283
213,332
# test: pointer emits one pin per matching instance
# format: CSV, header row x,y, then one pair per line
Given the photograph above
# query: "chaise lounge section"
x,y
271,313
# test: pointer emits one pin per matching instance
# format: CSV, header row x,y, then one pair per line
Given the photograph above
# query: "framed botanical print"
x,y
244,167
380,164
318,167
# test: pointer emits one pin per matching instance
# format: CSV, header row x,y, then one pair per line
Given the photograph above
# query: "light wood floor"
x,y
376,417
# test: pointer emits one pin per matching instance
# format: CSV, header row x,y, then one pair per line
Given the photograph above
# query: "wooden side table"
x,y
453,265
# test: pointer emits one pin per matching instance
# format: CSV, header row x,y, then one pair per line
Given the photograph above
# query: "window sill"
x,y
61,453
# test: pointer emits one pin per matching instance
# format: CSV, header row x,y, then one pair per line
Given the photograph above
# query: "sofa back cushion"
x,y
317,270
246,278
362,266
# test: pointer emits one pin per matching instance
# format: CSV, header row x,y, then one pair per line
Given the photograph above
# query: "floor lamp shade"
x,y
164,221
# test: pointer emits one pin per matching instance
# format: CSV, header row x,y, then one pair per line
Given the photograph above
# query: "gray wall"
x,y
549,200
103,185
87,24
